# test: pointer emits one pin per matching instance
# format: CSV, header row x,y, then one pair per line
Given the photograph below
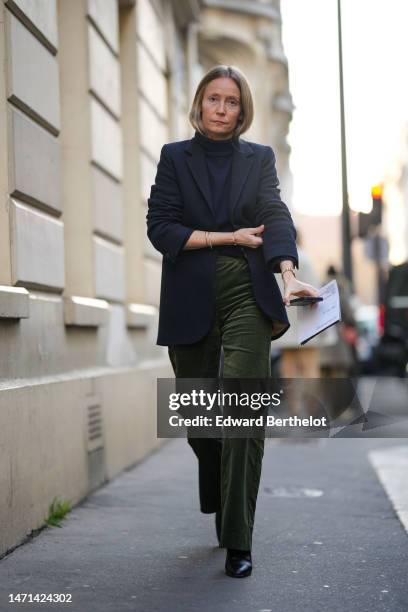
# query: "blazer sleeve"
x,y
165,211
279,237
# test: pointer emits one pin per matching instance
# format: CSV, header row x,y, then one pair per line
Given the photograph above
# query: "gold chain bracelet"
x,y
288,270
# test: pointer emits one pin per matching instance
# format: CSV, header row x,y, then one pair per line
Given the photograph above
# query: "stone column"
x,y
31,230
152,105
91,145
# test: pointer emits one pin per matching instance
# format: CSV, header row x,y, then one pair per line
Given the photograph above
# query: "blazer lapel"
x,y
241,166
197,164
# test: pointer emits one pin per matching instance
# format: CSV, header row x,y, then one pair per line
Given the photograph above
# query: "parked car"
x,y
392,353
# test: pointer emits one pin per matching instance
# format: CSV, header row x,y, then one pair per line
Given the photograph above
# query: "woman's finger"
x,y
256,230
255,242
303,289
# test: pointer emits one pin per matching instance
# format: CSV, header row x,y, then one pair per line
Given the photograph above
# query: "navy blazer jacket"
x,y
180,202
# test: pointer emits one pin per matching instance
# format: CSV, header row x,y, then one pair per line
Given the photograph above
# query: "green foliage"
x,y
56,512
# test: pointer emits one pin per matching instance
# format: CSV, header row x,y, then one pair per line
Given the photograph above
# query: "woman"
x,y
216,216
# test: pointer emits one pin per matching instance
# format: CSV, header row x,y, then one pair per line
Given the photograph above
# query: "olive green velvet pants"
x,y
229,468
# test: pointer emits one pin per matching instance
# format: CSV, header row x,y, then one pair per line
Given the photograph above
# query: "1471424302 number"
x,y
40,597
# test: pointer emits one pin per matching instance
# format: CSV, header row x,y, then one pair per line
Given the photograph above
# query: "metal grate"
x,y
95,442
94,426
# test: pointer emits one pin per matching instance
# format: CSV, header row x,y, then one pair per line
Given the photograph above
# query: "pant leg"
x,y
201,360
241,467
246,339
300,363
198,360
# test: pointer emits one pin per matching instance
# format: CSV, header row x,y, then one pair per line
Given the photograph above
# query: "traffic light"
x,y
374,217
376,211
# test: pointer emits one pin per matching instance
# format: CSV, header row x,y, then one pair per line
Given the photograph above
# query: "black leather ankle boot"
x,y
238,563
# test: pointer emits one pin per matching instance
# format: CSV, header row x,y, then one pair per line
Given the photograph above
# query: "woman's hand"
x,y
247,236
295,288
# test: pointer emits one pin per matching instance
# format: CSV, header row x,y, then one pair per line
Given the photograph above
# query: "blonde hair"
x,y
246,114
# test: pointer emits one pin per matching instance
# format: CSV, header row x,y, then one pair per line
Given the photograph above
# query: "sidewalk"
x,y
326,538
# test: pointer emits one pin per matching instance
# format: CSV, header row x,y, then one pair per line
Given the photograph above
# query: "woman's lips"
x,y
221,122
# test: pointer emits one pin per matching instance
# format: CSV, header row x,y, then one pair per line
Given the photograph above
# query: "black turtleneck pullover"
x,y
218,156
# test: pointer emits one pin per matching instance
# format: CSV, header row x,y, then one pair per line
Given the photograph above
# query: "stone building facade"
x,y
89,92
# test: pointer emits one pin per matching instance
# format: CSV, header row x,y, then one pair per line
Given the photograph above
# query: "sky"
x,y
375,50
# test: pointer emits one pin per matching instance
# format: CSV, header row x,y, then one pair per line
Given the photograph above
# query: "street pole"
x,y
345,215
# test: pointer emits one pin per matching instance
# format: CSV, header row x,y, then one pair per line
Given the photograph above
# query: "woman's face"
x,y
221,107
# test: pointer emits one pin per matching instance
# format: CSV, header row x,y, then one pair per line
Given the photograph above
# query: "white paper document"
x,y
312,321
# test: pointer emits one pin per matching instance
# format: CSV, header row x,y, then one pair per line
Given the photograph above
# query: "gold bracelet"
x,y
233,237
288,270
